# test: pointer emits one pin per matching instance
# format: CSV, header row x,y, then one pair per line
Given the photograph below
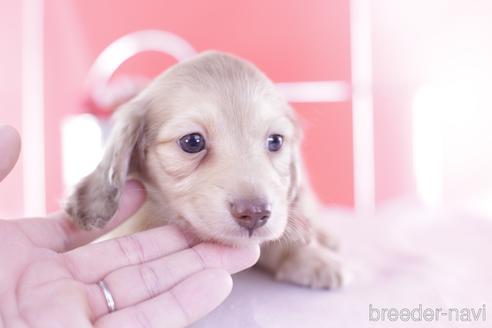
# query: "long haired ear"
x,y
95,199
296,159
298,227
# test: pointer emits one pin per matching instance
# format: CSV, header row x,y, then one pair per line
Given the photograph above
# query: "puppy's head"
x,y
216,146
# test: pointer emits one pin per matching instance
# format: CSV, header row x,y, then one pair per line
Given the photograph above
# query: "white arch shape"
x,y
127,46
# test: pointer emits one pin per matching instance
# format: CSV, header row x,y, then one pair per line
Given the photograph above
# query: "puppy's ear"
x,y
295,166
303,203
95,199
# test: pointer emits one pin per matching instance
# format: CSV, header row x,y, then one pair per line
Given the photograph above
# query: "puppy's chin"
x,y
242,237
235,237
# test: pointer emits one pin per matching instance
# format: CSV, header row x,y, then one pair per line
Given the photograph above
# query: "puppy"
x,y
218,150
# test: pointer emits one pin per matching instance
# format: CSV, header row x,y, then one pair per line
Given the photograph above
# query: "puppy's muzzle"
x,y
251,213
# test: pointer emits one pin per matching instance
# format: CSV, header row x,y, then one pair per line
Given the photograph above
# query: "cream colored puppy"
x,y
217,148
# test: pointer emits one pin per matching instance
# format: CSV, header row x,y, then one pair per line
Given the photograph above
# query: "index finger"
x,y
92,262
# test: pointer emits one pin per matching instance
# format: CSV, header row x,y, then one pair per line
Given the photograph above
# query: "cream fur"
x,y
235,107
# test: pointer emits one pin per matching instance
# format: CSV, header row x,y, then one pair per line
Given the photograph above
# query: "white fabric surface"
x,y
400,258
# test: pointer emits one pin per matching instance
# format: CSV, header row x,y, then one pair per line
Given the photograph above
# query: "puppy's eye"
x,y
192,143
274,142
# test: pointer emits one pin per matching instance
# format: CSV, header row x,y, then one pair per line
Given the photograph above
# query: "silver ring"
x,y
107,295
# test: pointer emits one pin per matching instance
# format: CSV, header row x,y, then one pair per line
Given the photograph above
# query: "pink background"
x,y
291,41
287,39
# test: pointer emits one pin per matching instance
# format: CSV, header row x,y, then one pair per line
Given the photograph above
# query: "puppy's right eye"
x,y
192,143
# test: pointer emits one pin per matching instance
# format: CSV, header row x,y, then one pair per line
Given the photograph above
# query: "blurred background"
x,y
395,96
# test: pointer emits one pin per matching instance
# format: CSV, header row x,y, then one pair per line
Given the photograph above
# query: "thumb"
x,y
9,149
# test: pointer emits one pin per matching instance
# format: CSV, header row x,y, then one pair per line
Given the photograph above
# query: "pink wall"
x,y
289,40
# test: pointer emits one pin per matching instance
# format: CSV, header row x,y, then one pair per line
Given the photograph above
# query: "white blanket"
x,y
401,259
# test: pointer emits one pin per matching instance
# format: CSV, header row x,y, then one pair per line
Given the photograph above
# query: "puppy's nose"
x,y
251,213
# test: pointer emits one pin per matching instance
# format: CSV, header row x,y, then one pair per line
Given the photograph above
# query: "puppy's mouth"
x,y
230,234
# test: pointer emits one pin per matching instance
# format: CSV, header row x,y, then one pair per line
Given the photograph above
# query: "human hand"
x,y
157,279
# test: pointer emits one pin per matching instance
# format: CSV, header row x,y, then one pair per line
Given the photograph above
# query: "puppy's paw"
x,y
327,239
313,266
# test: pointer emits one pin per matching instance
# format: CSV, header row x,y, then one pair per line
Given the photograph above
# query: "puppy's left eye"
x,y
275,142
192,143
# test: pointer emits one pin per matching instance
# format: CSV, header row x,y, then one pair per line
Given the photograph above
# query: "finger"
x,y
134,284
184,304
93,262
58,232
9,149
